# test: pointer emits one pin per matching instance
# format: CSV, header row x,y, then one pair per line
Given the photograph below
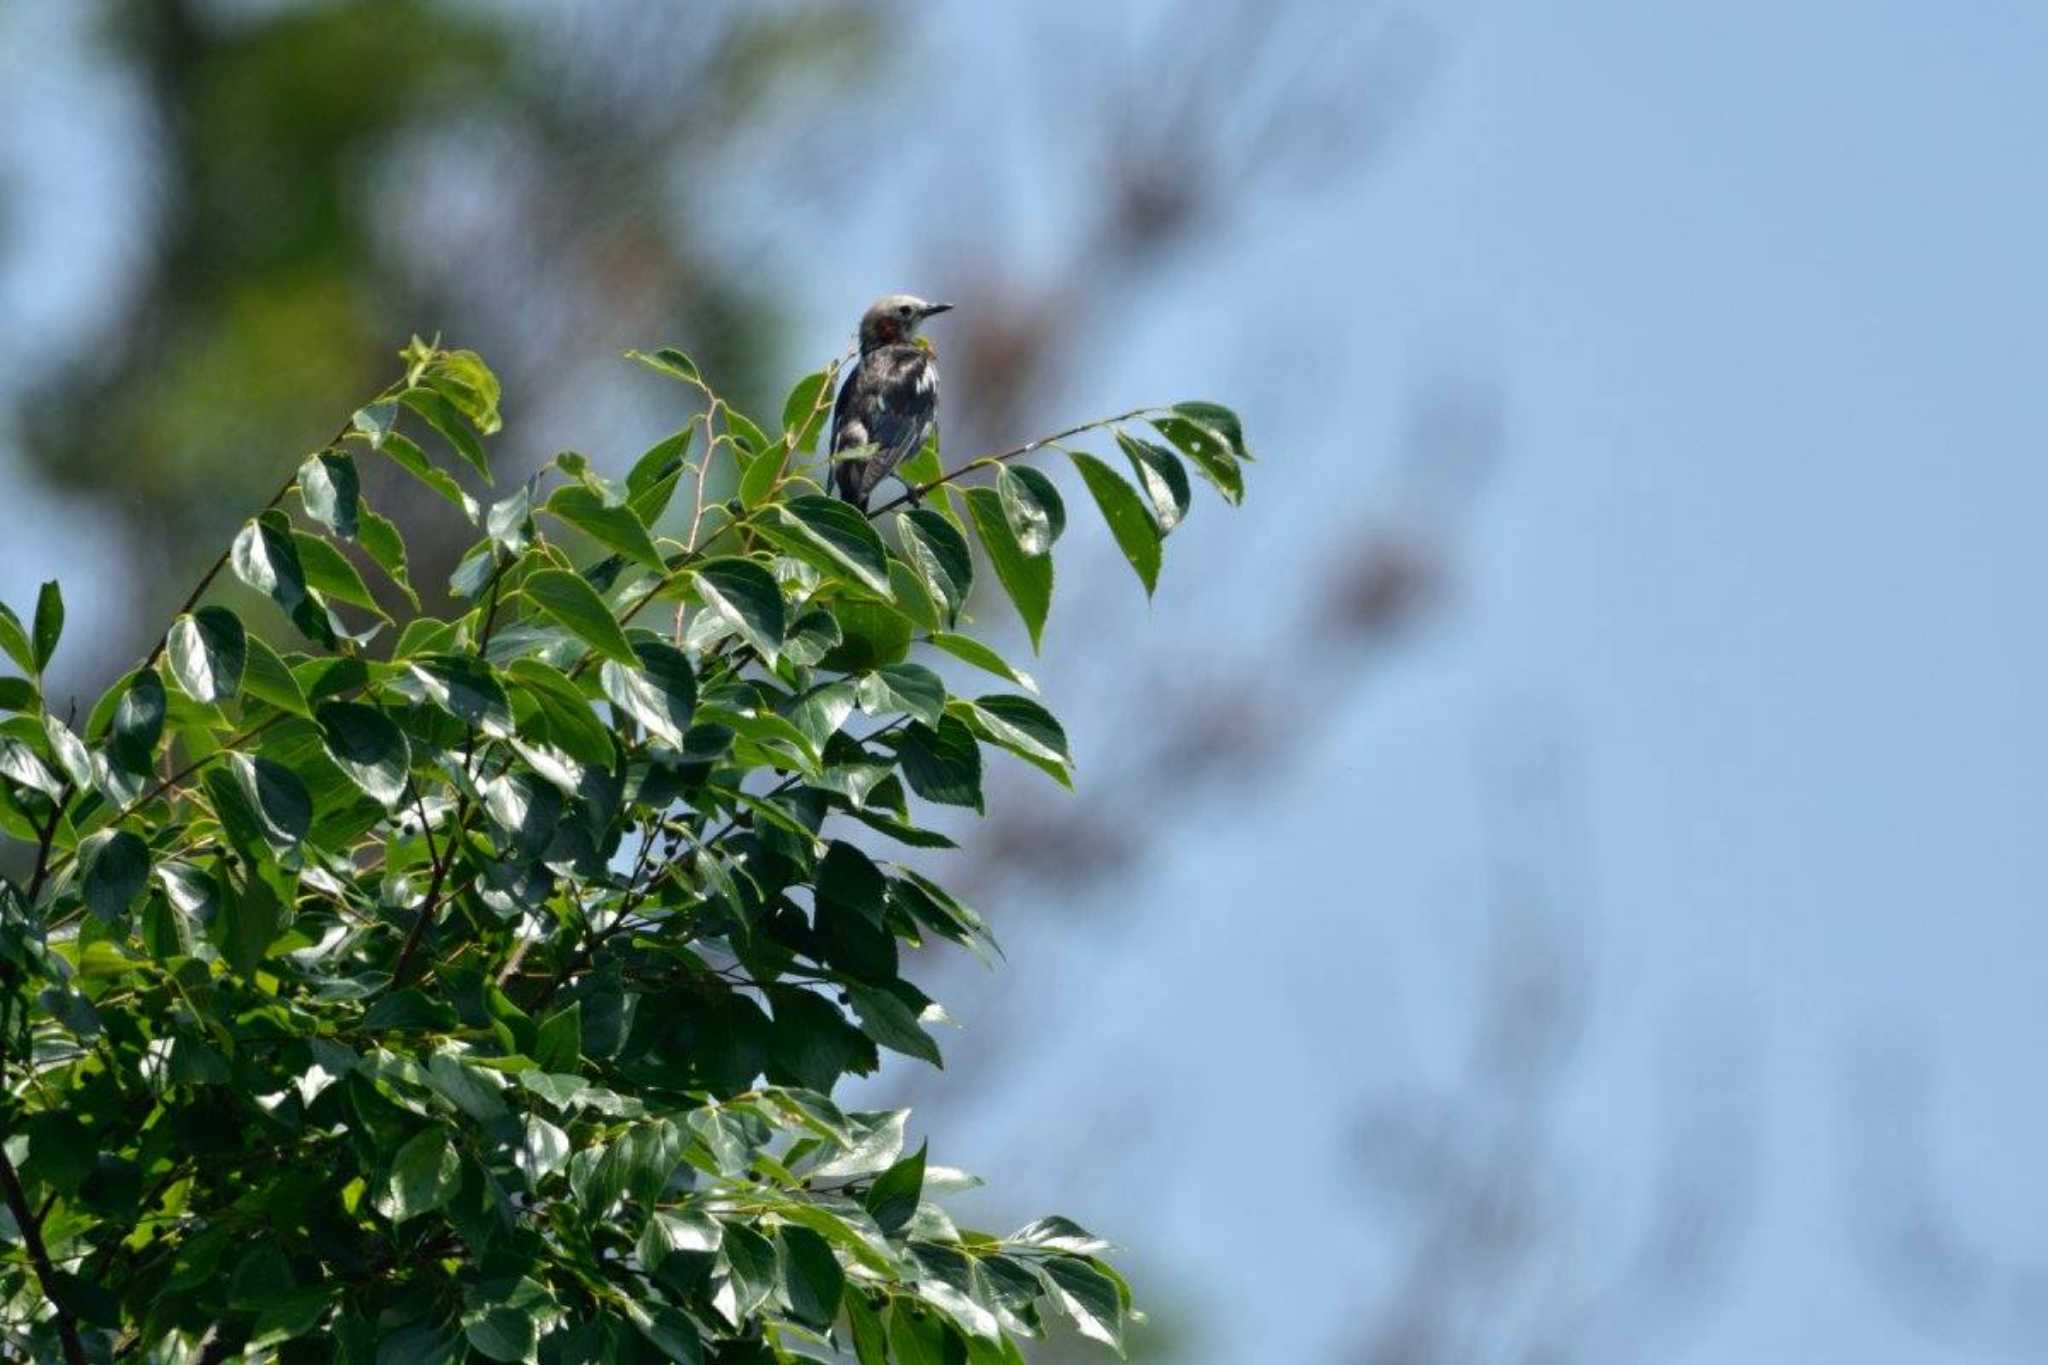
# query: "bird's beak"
x,y
931,308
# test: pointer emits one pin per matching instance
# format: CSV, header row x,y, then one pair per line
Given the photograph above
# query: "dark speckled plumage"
x,y
890,401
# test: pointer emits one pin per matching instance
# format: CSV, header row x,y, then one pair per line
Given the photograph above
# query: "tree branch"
x,y
39,1257
1004,457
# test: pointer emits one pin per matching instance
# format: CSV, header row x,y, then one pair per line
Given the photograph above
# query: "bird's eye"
x,y
906,310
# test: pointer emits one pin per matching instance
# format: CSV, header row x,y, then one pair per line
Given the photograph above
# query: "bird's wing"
x,y
889,403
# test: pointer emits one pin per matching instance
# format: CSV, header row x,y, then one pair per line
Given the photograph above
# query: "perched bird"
x,y
891,399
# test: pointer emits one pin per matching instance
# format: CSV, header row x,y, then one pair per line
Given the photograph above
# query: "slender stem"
x,y
39,1257
35,881
1004,457
419,926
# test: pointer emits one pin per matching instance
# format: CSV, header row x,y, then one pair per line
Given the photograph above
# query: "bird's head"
x,y
895,318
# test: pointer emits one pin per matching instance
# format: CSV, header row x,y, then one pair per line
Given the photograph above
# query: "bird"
x,y
891,400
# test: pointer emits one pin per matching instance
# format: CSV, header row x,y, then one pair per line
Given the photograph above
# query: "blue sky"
x,y
1763,285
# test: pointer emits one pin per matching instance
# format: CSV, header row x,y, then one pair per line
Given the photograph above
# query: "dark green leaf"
x,y
811,1276
15,641
1163,477
249,921
1211,456
138,720
424,1177
1136,533
744,431
331,492
669,1332
1218,419
276,796
18,694
660,694
464,686
894,1196
368,746
116,870
575,605
414,461
746,595
1032,506
1026,578
70,752
870,1340
443,417
268,679
1022,726
328,570
19,764
912,689
49,623
939,553
380,540
892,1023
615,527
1088,1297
844,535
920,1339
943,763
208,651
559,1045
662,459
872,635
501,1331
973,651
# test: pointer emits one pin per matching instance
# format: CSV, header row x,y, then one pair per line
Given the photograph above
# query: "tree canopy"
x,y
477,984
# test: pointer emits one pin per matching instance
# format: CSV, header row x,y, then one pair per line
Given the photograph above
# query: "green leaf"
x,y
1022,726
18,694
1211,456
443,417
208,651
559,1045
248,923
1026,578
543,1150
328,570
1032,506
661,459
912,689
380,540
943,763
266,558
668,1331
464,380
918,1339
844,535
614,527
1058,1234
746,434
138,720
464,686
812,1278
891,1023
277,798
661,693
973,651
761,476
1136,533
805,410
70,752
15,641
414,461
368,746
1163,477
116,870
671,362
870,1339
746,595
19,764
575,605
331,492
501,1331
49,623
375,422
1218,419
424,1177
894,1196
1087,1296
267,679
872,635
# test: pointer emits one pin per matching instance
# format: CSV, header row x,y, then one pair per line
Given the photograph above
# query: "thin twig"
x,y
1004,457
39,1257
